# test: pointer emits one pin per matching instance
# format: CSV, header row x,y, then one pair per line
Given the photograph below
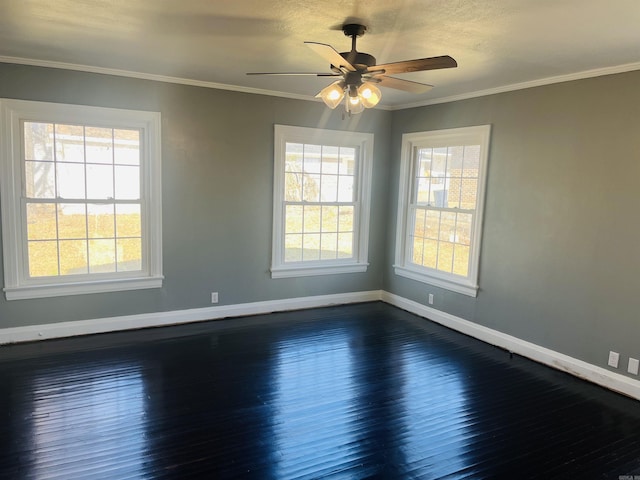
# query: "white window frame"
x,y
476,135
18,284
363,142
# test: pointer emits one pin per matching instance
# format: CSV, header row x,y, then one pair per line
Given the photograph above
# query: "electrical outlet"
x,y
431,299
614,358
214,297
633,366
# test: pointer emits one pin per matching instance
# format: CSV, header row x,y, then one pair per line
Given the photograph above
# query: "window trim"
x,y
362,202
17,284
439,138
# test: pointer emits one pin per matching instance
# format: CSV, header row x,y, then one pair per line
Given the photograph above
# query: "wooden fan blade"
x,y
331,55
297,73
418,65
404,85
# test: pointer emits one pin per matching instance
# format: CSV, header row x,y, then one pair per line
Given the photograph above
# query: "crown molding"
x,y
598,72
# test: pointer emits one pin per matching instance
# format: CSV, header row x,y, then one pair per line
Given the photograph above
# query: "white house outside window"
x,y
80,199
440,207
322,181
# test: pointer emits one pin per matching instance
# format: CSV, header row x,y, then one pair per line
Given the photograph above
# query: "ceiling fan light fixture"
x,y
353,104
333,94
369,94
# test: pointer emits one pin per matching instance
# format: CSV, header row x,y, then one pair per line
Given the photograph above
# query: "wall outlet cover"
x,y
633,366
614,358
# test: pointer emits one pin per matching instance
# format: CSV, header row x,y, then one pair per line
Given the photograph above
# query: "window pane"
x,y
129,254
70,178
99,145
329,246
311,247
345,219
423,187
447,226
128,221
454,161
73,257
329,188
424,162
419,224
100,221
452,193
43,259
345,245
330,219
41,221
126,147
347,161
38,141
311,188
102,256
40,179
417,250
430,256
445,257
312,157
293,248
293,219
99,181
293,187
345,188
312,219
69,143
432,224
439,162
293,160
72,221
461,260
330,157
469,193
471,162
127,183
463,229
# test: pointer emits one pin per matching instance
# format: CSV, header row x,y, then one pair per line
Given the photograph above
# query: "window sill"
x,y
63,289
313,270
462,287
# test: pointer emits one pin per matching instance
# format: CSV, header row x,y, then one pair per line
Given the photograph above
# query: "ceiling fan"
x,y
358,75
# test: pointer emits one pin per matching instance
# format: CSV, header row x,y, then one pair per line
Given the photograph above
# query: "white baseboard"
x,y
158,319
598,375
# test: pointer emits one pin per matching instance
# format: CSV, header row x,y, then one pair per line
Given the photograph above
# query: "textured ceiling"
x,y
498,43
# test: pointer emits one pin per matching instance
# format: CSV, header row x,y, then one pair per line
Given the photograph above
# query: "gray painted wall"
x,y
559,261
217,193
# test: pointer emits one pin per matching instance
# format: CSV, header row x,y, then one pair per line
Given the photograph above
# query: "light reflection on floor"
x,y
79,413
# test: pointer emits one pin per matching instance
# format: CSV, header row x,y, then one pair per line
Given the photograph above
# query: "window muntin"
x,y
321,201
82,199
78,184
440,207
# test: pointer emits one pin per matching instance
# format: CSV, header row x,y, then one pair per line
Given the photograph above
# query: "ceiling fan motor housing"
x,y
360,60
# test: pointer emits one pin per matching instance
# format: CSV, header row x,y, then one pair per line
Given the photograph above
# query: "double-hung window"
x,y
322,182
80,199
440,207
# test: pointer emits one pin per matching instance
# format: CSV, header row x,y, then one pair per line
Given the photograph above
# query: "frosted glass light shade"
x,y
369,94
333,94
354,105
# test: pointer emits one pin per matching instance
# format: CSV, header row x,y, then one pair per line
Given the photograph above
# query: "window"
x,y
321,201
80,199
440,206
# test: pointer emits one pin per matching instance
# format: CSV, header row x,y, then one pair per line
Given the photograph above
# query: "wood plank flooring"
x,y
350,392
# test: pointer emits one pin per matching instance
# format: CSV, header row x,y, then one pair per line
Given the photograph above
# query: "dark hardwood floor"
x,y
350,392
